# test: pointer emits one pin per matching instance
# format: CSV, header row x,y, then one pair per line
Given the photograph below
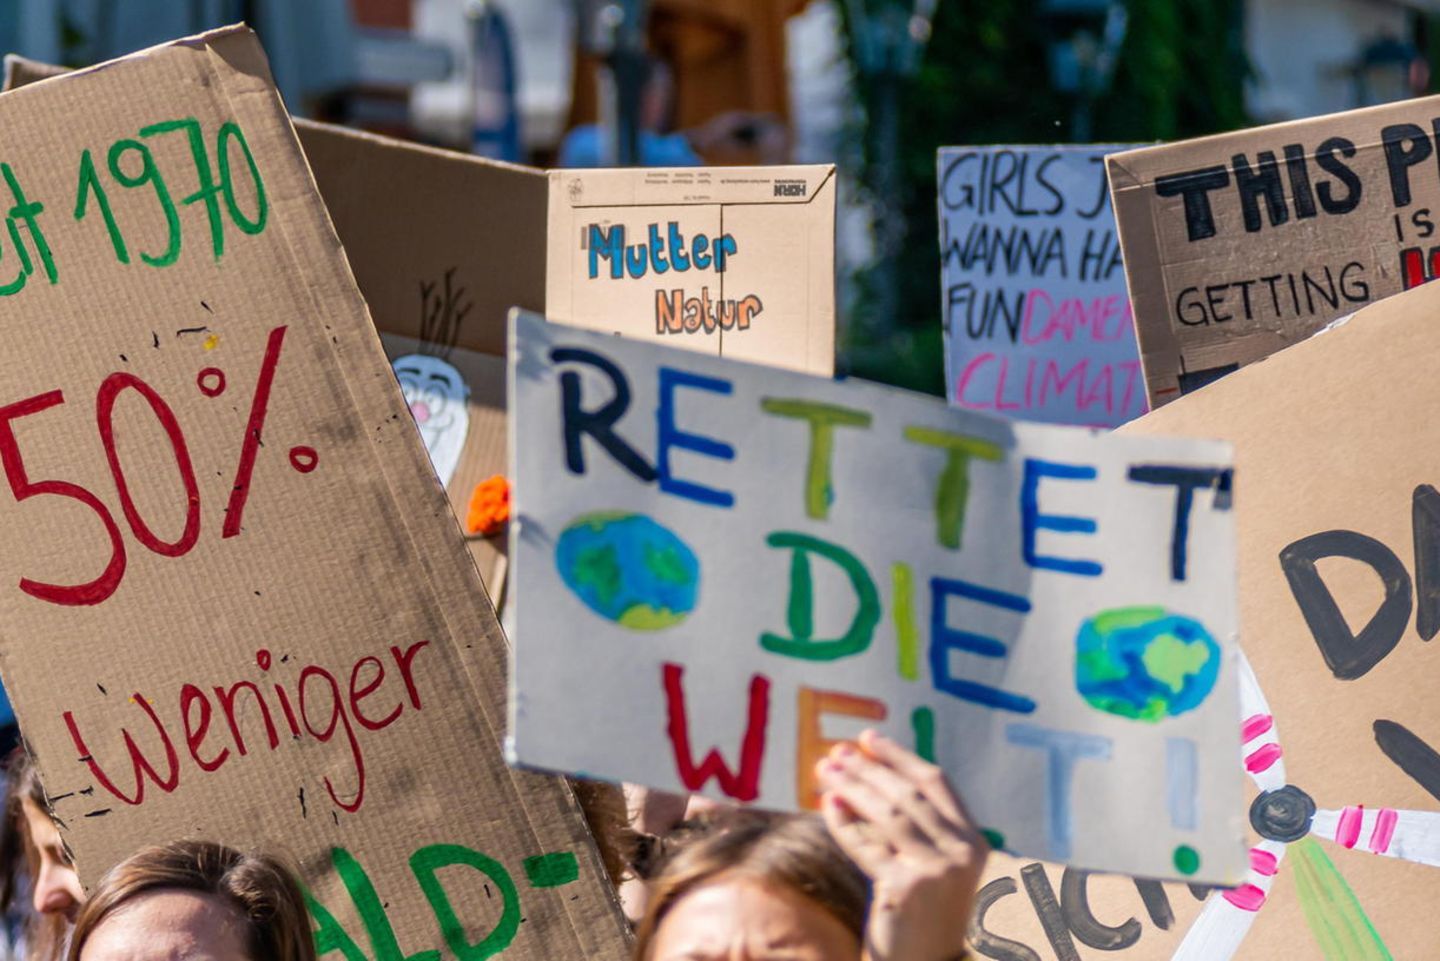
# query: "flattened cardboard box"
x,y
1339,522
734,261
442,245
236,605
1239,245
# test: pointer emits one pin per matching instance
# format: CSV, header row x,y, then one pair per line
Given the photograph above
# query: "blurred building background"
x,y
873,85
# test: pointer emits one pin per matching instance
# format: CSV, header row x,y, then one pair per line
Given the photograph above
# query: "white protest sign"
x,y
1037,319
721,567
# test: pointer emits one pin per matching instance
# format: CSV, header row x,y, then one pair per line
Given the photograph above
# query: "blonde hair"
x,y
259,888
793,852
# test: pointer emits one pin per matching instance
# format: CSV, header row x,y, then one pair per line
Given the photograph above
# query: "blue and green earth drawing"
x,y
629,569
1145,663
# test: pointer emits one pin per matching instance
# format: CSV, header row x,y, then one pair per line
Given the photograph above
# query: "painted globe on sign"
x,y
629,569
1145,663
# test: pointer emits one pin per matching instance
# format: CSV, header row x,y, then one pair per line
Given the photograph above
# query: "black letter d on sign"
x,y
1349,655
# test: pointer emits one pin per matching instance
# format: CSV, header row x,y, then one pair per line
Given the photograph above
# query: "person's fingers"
x,y
904,794
929,778
890,820
854,836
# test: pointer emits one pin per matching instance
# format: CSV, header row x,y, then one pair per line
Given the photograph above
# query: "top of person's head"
x,y
794,853
264,904
22,780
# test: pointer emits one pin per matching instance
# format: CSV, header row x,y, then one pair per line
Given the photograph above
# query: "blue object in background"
x,y
584,147
497,108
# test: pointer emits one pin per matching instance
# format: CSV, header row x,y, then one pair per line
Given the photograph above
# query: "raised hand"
x,y
898,818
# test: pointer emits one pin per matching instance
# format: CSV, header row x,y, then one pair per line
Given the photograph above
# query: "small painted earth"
x,y
1145,663
629,569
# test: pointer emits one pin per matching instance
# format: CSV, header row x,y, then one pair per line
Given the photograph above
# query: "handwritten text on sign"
x,y
723,567
659,249
1037,319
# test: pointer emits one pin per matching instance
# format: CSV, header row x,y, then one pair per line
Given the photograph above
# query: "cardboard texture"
x,y
1334,500
1241,244
20,71
733,261
235,604
442,245
1037,319
807,557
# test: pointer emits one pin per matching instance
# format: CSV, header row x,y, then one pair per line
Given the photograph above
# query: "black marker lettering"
x,y
1348,655
1326,160
1262,182
1405,146
1425,524
1092,932
987,943
576,422
1195,186
1047,909
1186,481
1411,754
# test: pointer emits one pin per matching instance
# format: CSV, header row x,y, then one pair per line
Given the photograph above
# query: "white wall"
x,y
544,35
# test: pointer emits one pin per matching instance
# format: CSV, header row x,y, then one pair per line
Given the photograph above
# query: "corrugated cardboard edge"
x,y
391,143
1142,163
820,335
553,815
1144,280
612,184
22,71
506,252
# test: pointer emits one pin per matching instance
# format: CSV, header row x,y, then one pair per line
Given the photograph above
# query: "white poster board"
x,y
1037,320
721,567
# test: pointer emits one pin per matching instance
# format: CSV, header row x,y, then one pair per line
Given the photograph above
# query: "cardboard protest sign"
x,y
1037,320
234,603
1239,245
1337,518
735,261
442,245
712,553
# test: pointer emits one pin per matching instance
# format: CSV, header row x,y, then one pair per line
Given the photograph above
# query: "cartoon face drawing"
x,y
436,395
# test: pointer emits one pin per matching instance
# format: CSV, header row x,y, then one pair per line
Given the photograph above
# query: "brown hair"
x,y
603,807
259,888
21,784
793,852
20,861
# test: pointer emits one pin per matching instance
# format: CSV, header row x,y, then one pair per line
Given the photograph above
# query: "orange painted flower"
x,y
489,507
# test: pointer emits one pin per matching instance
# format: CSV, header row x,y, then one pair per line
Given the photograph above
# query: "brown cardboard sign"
x,y
734,261
442,245
1339,547
235,604
1241,244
